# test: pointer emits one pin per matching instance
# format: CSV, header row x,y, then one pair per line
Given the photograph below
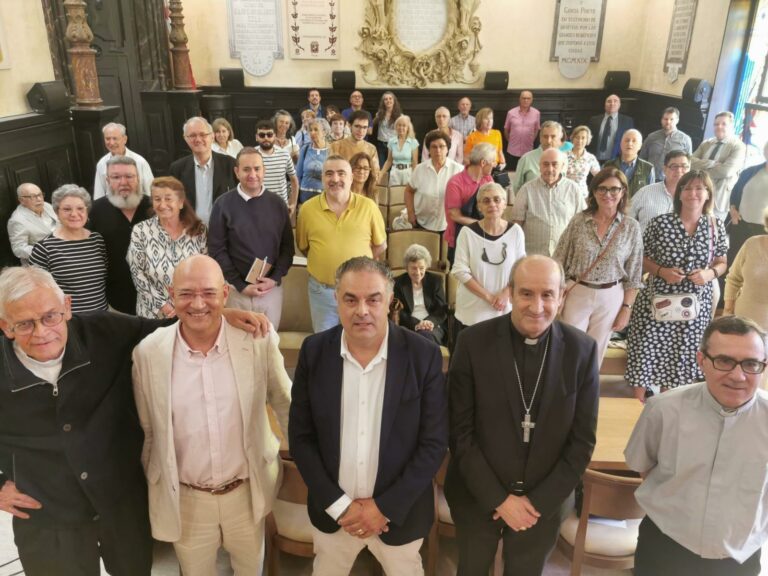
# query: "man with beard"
x,y
114,217
278,166
115,140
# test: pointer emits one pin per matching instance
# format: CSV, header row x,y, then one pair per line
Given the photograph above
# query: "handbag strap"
x,y
600,255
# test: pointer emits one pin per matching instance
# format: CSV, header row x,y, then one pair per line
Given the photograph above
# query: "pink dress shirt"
x,y
207,421
521,130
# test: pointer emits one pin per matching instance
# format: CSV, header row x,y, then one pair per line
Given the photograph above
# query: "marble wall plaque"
x,y
577,35
255,34
680,31
313,29
421,24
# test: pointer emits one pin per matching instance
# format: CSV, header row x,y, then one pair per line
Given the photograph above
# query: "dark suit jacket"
x,y
487,456
414,430
223,175
434,300
624,122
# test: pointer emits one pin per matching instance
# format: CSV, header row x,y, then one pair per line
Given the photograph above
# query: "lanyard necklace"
x,y
527,425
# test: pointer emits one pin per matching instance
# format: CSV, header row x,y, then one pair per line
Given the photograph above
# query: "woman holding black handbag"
x,y
601,251
683,252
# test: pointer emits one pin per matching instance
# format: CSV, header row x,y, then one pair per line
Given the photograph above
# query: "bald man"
x,y
210,456
608,128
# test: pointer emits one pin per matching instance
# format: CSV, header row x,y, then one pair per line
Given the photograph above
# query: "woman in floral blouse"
x,y
160,243
580,162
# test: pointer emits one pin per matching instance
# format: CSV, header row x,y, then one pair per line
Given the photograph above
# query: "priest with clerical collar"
x,y
523,394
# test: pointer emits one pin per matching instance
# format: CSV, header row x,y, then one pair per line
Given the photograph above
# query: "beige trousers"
x,y
593,311
209,522
270,303
335,554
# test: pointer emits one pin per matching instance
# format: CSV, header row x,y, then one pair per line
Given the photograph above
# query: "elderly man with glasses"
x,y
702,451
206,174
33,220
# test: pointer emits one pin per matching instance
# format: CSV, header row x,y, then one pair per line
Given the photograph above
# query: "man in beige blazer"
x,y
722,156
210,456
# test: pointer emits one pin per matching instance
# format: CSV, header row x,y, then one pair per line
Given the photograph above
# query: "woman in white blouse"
x,y
224,141
485,254
580,162
284,130
160,243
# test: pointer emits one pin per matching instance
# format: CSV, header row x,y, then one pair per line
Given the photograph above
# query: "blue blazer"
x,y
414,430
624,123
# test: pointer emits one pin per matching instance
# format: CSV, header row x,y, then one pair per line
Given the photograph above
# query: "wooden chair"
x,y
382,194
296,321
384,214
289,528
588,542
394,211
399,240
396,195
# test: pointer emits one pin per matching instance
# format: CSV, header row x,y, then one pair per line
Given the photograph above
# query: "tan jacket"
x,y
260,377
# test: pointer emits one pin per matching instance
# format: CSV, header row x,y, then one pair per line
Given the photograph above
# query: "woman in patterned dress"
x,y
160,243
683,252
580,162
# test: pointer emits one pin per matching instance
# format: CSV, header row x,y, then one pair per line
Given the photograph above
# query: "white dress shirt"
x,y
25,229
429,199
362,402
207,420
100,184
706,483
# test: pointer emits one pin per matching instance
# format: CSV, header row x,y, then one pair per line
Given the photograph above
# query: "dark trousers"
x,y
511,161
525,552
658,554
122,538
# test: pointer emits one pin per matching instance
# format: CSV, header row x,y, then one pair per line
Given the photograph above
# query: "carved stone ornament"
x,y
452,60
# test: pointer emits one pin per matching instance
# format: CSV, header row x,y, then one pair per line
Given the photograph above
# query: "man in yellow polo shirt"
x,y
332,228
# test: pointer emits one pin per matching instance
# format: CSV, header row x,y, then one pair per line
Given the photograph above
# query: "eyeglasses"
x,y
487,200
265,134
186,296
118,177
613,190
484,256
26,327
678,166
361,169
198,135
31,196
726,364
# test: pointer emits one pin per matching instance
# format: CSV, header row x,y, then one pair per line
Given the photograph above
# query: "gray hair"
x,y
366,264
67,191
483,151
540,257
279,113
114,126
416,252
122,161
633,131
23,186
196,119
16,282
324,126
736,326
726,114
553,124
491,187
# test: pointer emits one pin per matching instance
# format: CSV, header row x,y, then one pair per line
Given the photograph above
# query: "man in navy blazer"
x,y
206,174
368,428
523,408
607,146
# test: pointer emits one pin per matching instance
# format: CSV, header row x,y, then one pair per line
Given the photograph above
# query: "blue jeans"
x,y
322,305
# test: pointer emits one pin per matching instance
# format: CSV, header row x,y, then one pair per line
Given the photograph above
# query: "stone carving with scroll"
x,y
390,61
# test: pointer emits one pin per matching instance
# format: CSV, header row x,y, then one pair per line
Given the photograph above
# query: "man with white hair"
x,y
544,206
206,174
114,217
551,135
639,172
32,221
115,140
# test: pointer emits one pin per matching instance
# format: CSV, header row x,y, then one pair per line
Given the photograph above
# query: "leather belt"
x,y
402,166
219,490
599,286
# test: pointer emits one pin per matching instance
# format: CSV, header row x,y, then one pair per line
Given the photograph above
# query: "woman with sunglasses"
x,y
485,253
601,251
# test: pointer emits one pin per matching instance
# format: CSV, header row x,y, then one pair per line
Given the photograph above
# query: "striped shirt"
x,y
650,201
79,268
277,166
463,125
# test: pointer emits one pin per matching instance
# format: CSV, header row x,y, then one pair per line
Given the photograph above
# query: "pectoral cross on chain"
x,y
527,426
